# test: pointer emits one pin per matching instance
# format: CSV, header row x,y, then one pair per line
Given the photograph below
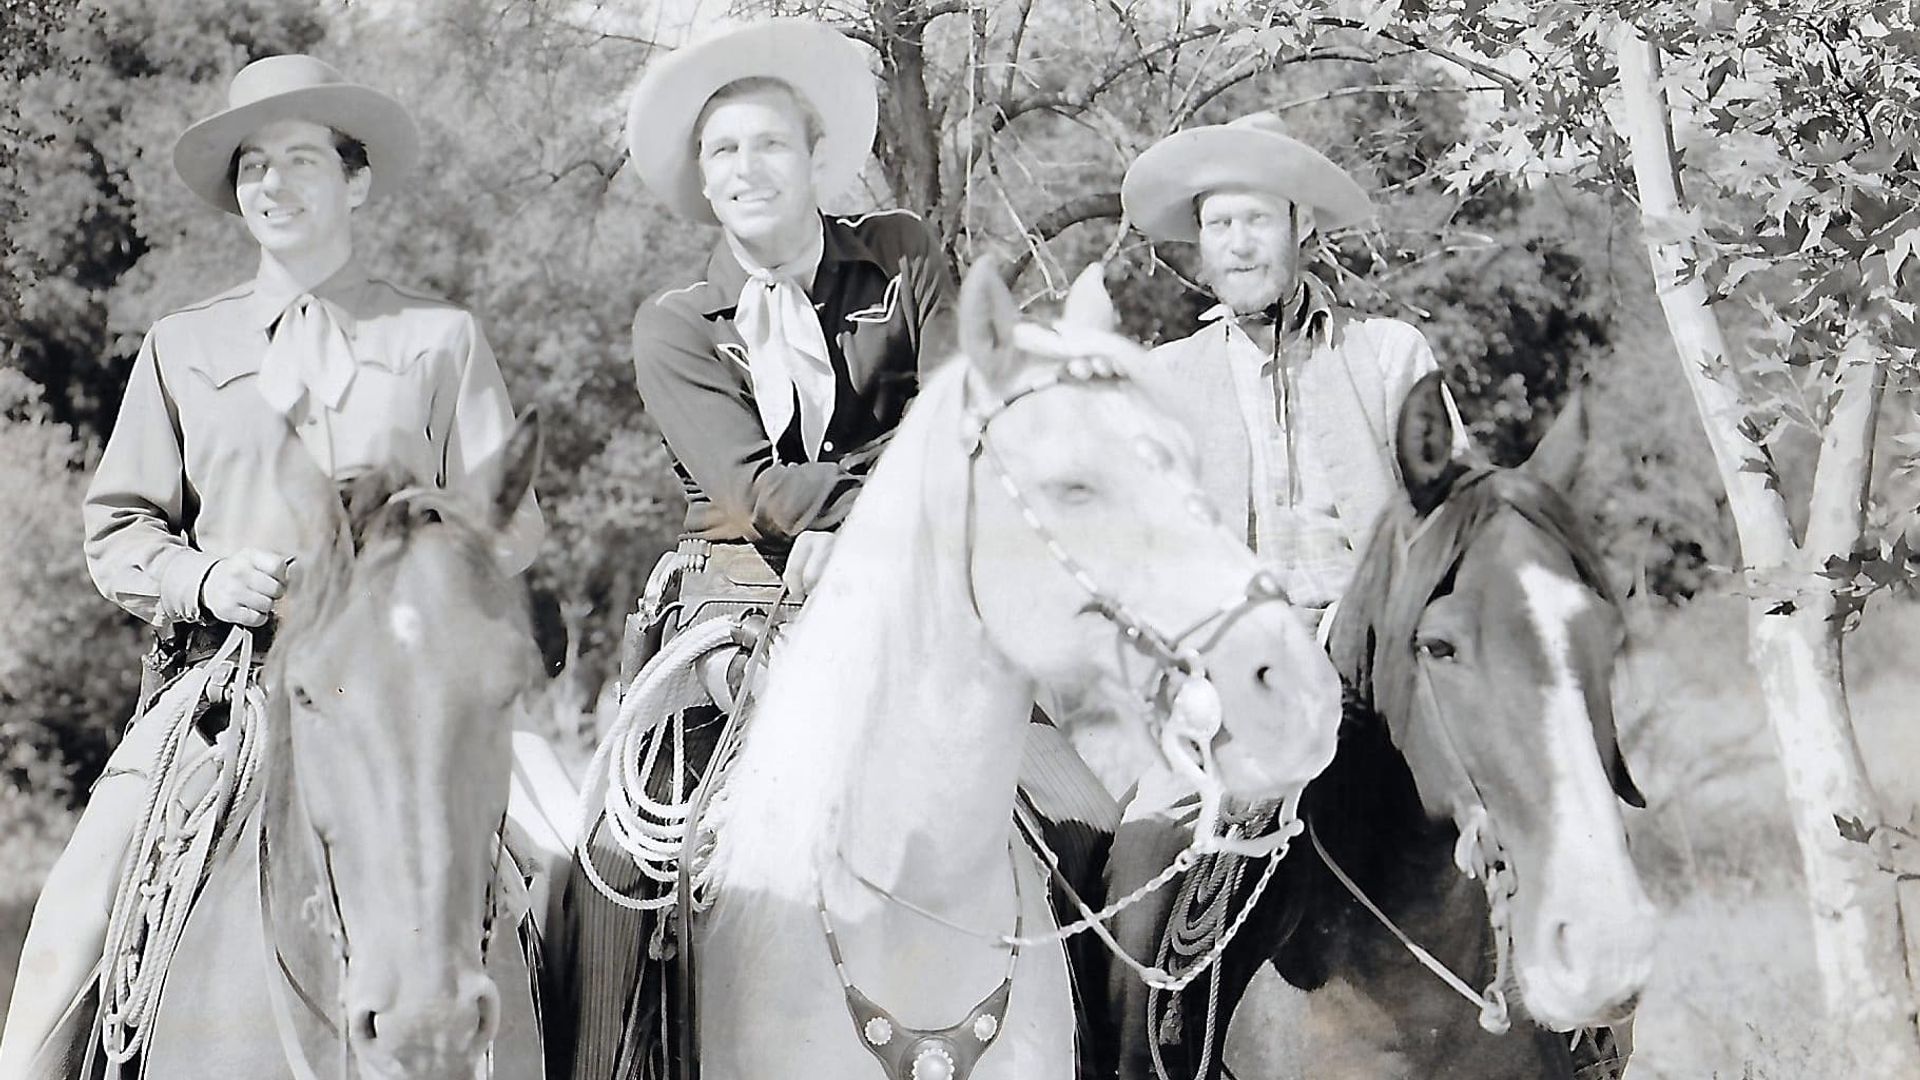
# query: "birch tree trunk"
x,y
1796,648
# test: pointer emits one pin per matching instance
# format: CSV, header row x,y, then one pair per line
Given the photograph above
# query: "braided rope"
x,y
651,832
173,843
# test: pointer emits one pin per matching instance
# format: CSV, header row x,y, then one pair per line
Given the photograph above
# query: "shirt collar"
x,y
1310,312
272,293
840,244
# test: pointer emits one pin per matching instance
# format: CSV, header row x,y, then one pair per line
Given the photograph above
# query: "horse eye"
x,y
1072,492
1434,648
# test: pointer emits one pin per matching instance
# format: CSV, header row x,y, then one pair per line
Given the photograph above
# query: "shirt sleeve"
x,y
482,423
710,424
924,266
138,507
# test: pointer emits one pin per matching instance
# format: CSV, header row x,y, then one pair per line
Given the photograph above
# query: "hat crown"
x,y
279,74
1264,121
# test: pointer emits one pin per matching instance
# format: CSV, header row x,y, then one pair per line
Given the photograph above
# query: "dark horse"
x,y
1480,636
360,923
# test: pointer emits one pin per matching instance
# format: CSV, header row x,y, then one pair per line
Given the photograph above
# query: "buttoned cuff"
x,y
180,584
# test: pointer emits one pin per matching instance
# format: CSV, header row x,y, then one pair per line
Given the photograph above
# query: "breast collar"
x,y
910,1053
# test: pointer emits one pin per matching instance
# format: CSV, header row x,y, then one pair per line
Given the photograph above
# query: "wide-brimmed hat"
x,y
819,62
1253,153
295,87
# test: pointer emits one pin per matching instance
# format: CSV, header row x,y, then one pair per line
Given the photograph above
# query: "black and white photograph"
x,y
959,540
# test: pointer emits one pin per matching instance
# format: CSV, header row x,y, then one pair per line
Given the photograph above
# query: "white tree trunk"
x,y
1857,935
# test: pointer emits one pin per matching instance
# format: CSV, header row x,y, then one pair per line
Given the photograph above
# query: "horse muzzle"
x,y
1586,965
1280,702
437,1036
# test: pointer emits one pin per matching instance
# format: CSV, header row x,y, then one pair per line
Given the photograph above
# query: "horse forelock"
x,y
1411,561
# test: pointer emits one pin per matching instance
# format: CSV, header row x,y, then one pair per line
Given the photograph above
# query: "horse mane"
x,y
777,816
1410,560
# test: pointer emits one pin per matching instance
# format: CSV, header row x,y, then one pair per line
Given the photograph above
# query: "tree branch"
x,y
1096,206
1837,509
1415,41
1010,111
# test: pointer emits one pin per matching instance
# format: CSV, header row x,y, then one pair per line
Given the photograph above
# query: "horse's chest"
x,y
771,1005
1334,1033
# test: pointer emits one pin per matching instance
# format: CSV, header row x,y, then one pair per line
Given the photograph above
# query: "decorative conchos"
x,y
985,1027
933,1062
878,1031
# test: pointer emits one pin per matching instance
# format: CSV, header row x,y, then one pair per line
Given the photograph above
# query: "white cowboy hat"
x,y
819,62
1252,153
295,87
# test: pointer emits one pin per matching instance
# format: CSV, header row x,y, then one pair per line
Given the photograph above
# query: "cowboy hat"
x,y
1252,153
295,87
821,65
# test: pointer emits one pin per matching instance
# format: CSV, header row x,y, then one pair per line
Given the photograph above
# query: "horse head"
x,y
1113,582
1485,630
404,649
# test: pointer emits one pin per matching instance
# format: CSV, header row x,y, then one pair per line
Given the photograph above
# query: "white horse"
x,y
1034,527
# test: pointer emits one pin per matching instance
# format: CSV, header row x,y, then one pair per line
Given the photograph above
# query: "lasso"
x,y
173,843
651,832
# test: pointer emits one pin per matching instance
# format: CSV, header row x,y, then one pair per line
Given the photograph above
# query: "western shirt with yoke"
x,y
880,291
192,470
1296,442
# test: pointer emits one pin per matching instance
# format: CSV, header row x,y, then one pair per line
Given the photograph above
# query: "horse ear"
x,y
1423,444
988,316
1088,306
1556,460
509,474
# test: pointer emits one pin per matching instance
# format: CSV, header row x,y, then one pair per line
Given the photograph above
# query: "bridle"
x,y
322,910
1477,852
1183,705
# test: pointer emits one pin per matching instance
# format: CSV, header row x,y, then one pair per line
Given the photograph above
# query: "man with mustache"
x,y
1292,401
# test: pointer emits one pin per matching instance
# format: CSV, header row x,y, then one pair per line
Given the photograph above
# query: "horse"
x,y
1033,527
1479,635
361,922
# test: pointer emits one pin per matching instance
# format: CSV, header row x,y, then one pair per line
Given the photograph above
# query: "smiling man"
x,y
188,524
776,373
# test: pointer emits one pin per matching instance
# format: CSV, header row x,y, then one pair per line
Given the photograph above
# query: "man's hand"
x,y
806,562
241,588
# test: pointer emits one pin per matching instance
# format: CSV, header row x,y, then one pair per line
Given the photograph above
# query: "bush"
x,y
69,660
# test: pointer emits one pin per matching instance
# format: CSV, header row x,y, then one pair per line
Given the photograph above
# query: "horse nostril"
x,y
1562,939
1261,675
487,1006
362,1026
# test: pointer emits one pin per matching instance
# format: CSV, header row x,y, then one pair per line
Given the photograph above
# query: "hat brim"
x,y
204,152
817,61
1159,190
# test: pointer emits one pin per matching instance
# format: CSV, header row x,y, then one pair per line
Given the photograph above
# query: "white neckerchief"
x,y
786,349
308,354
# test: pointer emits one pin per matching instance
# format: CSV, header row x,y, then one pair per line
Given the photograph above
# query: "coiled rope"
x,y
173,842
651,832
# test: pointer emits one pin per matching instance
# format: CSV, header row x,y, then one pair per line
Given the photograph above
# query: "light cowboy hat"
x,y
1252,153
819,62
296,87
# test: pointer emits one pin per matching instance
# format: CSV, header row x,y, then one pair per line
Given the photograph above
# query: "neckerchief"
x,y
786,349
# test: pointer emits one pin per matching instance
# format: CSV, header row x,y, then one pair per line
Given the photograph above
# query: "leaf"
x,y
1852,828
